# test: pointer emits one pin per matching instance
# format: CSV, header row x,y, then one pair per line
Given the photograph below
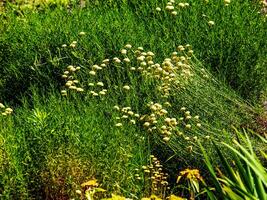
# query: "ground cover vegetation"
x,y
133,99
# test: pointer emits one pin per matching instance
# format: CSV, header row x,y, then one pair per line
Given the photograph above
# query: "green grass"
x,y
51,144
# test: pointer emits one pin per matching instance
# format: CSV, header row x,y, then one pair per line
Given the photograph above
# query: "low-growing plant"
x,y
243,178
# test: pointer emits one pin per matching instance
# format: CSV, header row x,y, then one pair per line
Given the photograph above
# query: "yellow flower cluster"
x,y
156,177
71,82
5,110
127,114
172,5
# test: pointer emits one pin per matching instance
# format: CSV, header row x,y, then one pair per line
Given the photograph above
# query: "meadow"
x,y
135,99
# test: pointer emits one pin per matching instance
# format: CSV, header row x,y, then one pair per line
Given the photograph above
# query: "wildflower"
x,y
116,107
73,87
150,53
146,124
79,89
91,84
124,51
69,83
186,4
132,121
82,33
2,105
198,125
4,114
169,8
143,63
174,13
158,9
187,113
78,68
182,5
190,52
105,61
196,117
211,23
92,73
136,115
75,81
188,117
127,60
166,139
124,116
66,72
187,138
141,58
227,1
130,112
95,94
102,92
117,61
190,174
128,46
64,45
103,65
126,87
100,84
63,91
78,191
132,68
167,120
180,48
72,45
188,126
9,110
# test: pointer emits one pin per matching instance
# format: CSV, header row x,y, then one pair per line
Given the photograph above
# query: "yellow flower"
x,y
190,174
211,23
79,89
124,51
9,110
181,5
166,139
146,124
169,7
127,60
102,92
2,105
174,13
73,87
126,87
92,73
158,9
82,33
118,124
92,183
116,107
100,84
128,46
188,126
